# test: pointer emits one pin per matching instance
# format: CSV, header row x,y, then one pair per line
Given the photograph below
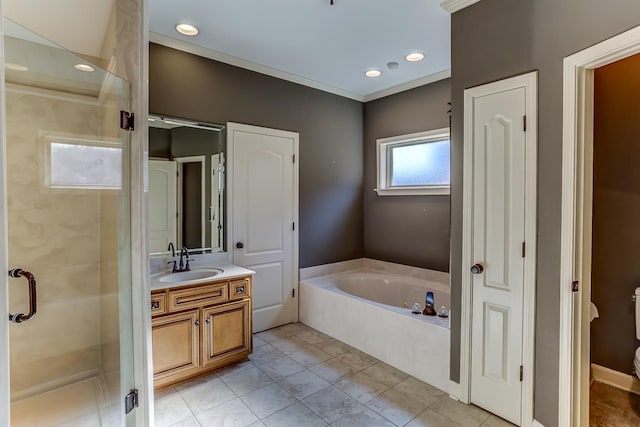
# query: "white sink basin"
x,y
189,276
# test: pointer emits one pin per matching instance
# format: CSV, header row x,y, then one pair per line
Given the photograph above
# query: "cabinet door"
x,y
227,332
176,344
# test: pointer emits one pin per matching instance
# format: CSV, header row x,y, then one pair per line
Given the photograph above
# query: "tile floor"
x,y
300,377
612,407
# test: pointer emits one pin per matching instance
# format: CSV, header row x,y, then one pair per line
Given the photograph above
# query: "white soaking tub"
x,y
371,311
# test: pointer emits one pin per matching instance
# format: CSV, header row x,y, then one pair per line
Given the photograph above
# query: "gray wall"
x,y
616,209
330,127
494,39
411,230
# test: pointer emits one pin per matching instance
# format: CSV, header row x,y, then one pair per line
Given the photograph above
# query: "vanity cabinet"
x,y
199,328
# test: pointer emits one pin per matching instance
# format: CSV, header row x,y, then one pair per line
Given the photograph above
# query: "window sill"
x,y
416,191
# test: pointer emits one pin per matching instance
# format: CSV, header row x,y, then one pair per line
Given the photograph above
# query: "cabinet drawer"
x,y
158,304
198,296
239,289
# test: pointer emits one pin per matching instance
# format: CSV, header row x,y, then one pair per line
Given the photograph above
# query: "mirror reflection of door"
x,y
188,210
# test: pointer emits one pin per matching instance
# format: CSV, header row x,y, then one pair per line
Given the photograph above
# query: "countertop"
x,y
229,271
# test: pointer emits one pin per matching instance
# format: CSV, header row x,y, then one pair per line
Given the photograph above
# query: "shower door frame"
x,y
140,291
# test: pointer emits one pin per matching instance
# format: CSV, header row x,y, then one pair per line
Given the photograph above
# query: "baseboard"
x,y
454,390
616,379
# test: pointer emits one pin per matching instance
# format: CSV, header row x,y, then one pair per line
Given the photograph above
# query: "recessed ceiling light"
x,y
84,67
15,67
373,73
415,57
186,29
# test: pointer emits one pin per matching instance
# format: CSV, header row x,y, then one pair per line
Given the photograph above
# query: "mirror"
x,y
186,186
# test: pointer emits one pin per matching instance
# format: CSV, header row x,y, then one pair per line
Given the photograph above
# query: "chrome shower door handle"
x,y
33,297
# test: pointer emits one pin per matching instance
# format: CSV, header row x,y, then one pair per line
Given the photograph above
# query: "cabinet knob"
x,y
208,321
197,323
155,304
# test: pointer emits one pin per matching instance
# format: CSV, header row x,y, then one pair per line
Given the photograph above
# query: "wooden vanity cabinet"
x,y
200,328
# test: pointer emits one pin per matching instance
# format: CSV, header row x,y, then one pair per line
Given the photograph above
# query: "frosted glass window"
x,y
83,165
420,164
415,164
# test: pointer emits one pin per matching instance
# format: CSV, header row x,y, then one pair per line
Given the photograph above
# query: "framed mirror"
x,y
186,186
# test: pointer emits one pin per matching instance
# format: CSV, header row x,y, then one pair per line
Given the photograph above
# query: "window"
x,y
415,164
83,164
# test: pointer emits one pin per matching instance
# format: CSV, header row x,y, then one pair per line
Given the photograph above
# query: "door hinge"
x,y
293,226
521,372
131,401
127,120
294,158
293,293
575,286
524,123
524,249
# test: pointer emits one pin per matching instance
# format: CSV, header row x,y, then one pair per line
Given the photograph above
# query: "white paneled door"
x,y
162,205
498,250
263,186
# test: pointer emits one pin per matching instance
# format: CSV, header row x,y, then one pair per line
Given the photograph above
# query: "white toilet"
x,y
636,360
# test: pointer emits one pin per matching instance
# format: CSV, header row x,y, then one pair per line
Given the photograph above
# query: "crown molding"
x,y
452,6
249,65
431,78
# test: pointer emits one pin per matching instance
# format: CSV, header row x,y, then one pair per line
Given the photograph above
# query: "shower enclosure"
x,y
68,221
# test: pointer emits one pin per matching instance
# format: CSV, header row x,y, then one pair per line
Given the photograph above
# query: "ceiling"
x,y
314,43
310,42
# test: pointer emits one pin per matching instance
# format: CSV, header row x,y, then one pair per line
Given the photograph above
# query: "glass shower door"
x,y
67,170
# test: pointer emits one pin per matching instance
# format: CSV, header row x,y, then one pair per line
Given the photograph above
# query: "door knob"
x,y
477,269
239,245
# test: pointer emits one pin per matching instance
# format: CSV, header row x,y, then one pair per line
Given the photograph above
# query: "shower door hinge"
x,y
131,401
127,120
294,158
293,226
521,372
293,293
524,249
575,286
524,123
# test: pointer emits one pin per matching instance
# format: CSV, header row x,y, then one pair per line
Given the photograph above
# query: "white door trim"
x,y
231,128
529,83
577,166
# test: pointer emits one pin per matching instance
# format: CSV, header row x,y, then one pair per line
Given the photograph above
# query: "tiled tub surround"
x,y
416,344
298,377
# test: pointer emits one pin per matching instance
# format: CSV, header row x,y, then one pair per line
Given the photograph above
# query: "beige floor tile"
x,y
334,347
419,390
112,416
293,329
361,387
268,400
189,422
362,417
233,369
280,368
202,395
230,414
265,353
431,418
333,370
357,359
330,404
89,420
257,341
258,424
164,393
303,384
170,410
494,421
246,381
294,416
466,415
396,407
309,356
313,337
290,345
387,375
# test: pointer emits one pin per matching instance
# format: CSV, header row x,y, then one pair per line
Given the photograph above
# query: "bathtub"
x,y
371,311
